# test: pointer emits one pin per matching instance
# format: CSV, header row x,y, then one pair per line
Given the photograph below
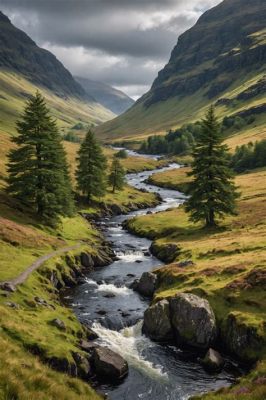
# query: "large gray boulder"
x,y
108,364
157,324
147,284
193,320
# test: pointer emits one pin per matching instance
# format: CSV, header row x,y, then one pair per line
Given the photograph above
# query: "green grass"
x,y
23,375
229,264
140,122
67,111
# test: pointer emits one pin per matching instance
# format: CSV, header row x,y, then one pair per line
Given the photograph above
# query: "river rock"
x,y
213,361
193,320
108,364
147,284
157,324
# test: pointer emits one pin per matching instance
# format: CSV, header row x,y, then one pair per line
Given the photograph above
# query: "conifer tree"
x,y
117,175
37,167
91,170
212,191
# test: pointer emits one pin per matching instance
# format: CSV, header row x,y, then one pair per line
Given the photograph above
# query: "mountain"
x,y
220,60
25,67
111,98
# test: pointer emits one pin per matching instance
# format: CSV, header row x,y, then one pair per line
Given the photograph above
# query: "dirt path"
x,y
24,275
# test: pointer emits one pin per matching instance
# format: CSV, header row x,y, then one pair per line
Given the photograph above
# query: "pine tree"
x,y
37,167
212,191
91,170
117,175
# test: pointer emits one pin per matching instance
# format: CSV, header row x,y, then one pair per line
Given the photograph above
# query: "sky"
x,y
123,43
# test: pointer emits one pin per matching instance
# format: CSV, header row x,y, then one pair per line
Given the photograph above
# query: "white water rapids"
x,y
130,343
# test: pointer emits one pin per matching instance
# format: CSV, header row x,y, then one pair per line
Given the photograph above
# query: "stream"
x,y
115,312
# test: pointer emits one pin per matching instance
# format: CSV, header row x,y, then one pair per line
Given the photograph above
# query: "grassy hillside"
x,y
15,89
26,352
220,60
229,268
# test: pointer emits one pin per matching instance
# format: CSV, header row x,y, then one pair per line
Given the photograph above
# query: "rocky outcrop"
x,y
213,361
167,252
146,285
241,339
193,320
157,324
109,365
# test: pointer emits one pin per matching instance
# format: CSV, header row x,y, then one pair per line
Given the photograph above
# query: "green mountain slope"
x,y
24,68
220,60
111,98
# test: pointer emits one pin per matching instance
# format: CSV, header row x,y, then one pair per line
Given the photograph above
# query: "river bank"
x,y
226,266
115,312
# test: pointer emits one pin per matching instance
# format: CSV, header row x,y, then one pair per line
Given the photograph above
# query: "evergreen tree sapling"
x,y
37,167
91,170
212,191
117,175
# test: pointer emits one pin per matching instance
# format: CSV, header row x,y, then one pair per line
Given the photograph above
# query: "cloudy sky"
x,y
121,42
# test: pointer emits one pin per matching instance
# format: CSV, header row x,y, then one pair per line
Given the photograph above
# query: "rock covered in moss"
x,y
166,252
241,339
193,320
213,360
84,370
157,324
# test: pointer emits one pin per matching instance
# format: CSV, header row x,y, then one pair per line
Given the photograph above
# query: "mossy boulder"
x,y
243,339
193,320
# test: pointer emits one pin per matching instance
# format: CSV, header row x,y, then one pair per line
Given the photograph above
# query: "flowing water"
x,y
115,312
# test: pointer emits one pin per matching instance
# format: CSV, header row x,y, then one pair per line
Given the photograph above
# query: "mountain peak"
x,y
224,49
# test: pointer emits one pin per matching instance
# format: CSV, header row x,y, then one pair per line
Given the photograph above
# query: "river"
x,y
156,372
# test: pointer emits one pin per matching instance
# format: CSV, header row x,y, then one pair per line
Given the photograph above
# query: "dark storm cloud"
x,y
122,42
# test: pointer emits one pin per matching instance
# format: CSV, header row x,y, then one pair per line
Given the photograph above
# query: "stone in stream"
x,y
108,364
213,361
147,284
193,320
157,324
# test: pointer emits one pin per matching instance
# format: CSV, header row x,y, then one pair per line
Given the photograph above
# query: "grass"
x,y
172,179
140,122
229,267
13,94
23,375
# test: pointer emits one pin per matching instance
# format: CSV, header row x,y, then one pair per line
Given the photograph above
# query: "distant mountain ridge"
x,y
220,57
25,68
18,52
111,98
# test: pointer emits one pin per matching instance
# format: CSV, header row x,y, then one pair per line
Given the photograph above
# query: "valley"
x,y
133,233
